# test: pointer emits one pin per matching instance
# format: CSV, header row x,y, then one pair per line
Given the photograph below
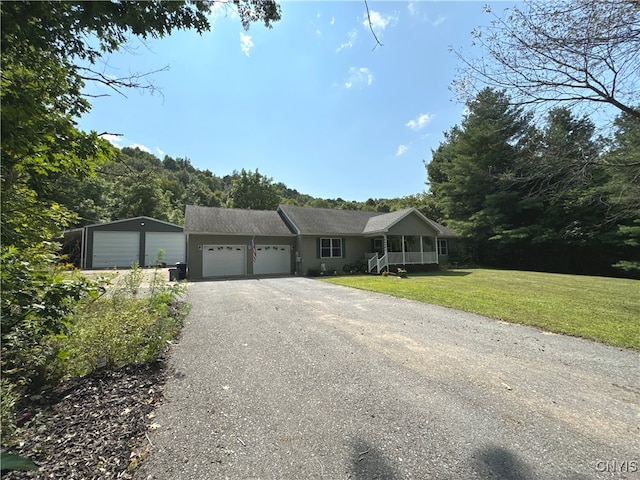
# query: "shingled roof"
x,y
382,222
291,219
233,221
323,221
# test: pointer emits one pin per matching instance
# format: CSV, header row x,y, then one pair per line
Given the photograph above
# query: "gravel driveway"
x,y
292,378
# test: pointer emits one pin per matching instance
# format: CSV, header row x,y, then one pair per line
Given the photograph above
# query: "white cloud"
x,y
378,20
438,21
353,35
401,150
419,122
114,140
333,20
120,141
359,76
412,8
144,148
246,43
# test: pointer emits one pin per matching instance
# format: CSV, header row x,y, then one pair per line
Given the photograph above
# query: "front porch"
x,y
402,250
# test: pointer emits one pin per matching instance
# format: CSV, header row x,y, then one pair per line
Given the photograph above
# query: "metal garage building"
x,y
121,243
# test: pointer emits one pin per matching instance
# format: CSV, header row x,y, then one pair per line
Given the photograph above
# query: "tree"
x,y
570,52
252,190
49,50
465,171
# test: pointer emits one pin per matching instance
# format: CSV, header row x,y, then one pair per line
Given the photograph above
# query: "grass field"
x,y
602,309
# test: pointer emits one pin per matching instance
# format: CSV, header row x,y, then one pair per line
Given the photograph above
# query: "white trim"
x,y
132,219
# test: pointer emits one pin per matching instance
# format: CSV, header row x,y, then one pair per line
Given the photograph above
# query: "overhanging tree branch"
x,y
547,51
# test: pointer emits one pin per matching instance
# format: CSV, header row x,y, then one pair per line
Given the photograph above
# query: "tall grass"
x,y
130,323
598,308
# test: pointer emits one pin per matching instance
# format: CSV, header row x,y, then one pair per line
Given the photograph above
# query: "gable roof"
x,y
382,222
327,221
234,221
324,221
291,219
141,218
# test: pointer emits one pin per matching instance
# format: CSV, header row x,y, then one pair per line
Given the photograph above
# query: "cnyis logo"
x,y
617,466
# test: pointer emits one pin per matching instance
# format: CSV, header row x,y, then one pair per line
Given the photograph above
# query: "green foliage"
x,y
252,190
126,325
11,462
38,298
534,198
8,399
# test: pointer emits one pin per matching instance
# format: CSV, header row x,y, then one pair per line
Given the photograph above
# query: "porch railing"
x,y
378,262
412,258
401,258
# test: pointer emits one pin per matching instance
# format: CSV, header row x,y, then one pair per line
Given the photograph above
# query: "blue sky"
x,y
310,103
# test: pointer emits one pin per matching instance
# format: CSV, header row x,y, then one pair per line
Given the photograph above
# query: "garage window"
x,y
331,248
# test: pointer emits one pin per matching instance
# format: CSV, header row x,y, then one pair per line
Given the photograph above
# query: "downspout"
x,y
437,251
404,259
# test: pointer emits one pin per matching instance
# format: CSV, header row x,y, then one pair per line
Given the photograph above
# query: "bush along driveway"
x,y
295,378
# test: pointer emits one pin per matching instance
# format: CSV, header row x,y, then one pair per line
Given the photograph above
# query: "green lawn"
x,y
598,308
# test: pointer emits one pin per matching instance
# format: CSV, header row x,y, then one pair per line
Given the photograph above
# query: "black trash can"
x,y
182,270
173,274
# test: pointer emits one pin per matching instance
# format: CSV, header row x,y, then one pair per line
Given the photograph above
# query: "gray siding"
x,y
194,253
355,248
412,225
141,224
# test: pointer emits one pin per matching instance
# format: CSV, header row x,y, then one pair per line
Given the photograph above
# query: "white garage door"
x,y
220,260
272,259
115,249
173,244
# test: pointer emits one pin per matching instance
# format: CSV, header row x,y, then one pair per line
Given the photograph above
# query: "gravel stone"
x,y
290,378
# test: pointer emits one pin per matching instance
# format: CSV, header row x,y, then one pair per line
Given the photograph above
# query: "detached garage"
x,y
121,243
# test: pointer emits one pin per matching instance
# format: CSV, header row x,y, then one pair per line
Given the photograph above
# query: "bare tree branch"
x,y
580,52
139,81
371,27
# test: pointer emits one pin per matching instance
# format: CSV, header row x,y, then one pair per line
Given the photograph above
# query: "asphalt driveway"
x,y
291,378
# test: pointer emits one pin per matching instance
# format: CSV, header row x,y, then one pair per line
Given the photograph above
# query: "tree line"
x,y
133,182
551,195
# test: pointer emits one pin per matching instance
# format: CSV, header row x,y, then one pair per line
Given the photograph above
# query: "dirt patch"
x,y
92,428
118,275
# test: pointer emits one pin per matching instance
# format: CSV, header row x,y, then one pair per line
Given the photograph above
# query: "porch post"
x,y
404,260
437,253
421,251
384,244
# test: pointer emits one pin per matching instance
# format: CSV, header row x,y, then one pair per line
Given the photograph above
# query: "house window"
x,y
443,247
330,248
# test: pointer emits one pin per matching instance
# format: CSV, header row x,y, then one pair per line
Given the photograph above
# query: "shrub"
x,y
123,327
57,324
38,298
